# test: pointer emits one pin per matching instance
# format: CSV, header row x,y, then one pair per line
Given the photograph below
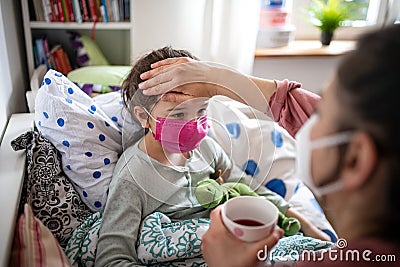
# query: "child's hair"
x,y
130,94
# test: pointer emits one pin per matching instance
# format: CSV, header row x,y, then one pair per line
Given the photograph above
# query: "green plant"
x,y
328,15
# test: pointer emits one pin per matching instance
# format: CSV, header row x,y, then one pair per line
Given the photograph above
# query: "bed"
x,y
57,140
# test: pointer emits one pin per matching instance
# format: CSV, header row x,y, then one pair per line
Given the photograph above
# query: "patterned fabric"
x,y
289,249
81,248
35,245
161,240
89,140
46,188
165,243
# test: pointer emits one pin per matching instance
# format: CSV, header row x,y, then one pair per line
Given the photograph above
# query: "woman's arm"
x,y
211,79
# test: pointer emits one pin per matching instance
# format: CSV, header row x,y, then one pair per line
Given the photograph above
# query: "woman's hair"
x,y
130,94
369,94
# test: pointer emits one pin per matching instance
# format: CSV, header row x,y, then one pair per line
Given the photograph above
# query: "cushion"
x,y
87,51
99,79
46,188
34,244
88,138
265,151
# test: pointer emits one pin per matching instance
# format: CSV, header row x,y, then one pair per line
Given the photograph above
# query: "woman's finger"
x,y
162,65
153,72
156,84
170,61
271,240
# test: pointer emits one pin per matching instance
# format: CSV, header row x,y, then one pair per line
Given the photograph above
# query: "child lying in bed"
x,y
159,172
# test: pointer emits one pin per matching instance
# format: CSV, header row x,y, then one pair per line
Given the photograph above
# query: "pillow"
x,y
46,188
89,139
99,79
304,201
87,51
265,151
34,244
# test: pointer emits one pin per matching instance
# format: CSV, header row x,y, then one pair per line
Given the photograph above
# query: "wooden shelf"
x,y
84,25
307,48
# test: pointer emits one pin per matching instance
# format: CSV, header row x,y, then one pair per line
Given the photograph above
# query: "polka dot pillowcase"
x,y
88,138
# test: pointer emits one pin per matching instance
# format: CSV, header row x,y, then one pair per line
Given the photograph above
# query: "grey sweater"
x,y
142,185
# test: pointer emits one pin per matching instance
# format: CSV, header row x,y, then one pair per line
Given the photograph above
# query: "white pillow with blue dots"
x,y
266,152
86,131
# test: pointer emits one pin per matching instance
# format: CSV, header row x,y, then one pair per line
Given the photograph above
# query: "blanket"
x,y
162,242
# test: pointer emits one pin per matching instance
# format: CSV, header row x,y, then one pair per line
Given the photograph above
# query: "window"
x,y
373,14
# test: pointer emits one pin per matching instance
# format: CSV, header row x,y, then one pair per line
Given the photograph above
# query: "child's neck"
x,y
154,149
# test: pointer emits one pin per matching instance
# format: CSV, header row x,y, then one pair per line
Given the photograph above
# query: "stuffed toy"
x,y
211,193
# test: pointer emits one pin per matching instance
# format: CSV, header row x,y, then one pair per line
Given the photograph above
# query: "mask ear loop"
x,y
151,116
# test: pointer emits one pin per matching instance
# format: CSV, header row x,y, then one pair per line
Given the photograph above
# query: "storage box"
x,y
275,36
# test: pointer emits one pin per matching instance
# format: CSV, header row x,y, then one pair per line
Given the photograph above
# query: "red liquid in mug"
x,y
247,222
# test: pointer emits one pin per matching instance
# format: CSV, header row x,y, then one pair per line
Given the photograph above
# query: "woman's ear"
x,y
360,161
142,116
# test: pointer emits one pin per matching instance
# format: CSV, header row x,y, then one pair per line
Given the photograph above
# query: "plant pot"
x,y
326,38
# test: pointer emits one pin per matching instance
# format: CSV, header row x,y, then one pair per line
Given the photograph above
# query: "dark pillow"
x,y
47,189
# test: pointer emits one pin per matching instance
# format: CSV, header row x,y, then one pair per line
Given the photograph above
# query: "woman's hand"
x,y
220,248
183,75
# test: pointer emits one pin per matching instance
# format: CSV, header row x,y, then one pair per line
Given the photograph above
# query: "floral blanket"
x,y
165,243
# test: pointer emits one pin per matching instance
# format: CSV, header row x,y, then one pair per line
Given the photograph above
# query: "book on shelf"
x,y
55,57
69,10
127,10
60,60
110,11
94,15
79,10
48,15
41,54
104,10
39,12
54,11
85,10
61,16
115,8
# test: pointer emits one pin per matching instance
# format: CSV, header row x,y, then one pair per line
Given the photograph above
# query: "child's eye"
x,y
177,115
202,112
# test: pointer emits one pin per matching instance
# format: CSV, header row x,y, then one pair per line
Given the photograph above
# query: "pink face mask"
x,y
179,136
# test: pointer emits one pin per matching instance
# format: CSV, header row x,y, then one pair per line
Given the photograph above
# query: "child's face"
x,y
187,111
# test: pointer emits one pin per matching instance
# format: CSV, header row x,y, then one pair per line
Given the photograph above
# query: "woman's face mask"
x,y
304,148
179,136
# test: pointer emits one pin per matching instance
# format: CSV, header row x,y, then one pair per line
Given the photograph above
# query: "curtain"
x,y
222,31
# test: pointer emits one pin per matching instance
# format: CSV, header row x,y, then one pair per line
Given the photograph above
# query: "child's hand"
x,y
312,231
306,226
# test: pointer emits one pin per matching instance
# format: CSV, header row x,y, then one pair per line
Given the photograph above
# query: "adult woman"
x,y
350,151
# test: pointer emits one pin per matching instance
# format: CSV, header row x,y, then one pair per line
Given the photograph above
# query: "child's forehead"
x,y
187,105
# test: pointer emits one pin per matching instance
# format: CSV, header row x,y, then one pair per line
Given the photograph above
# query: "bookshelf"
x,y
113,38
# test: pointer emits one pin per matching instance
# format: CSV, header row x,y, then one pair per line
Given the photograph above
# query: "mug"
x,y
250,218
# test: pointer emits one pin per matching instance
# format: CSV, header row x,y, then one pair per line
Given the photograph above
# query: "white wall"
x,y
13,73
313,72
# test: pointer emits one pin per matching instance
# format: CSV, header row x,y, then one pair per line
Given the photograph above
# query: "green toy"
x,y
210,194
